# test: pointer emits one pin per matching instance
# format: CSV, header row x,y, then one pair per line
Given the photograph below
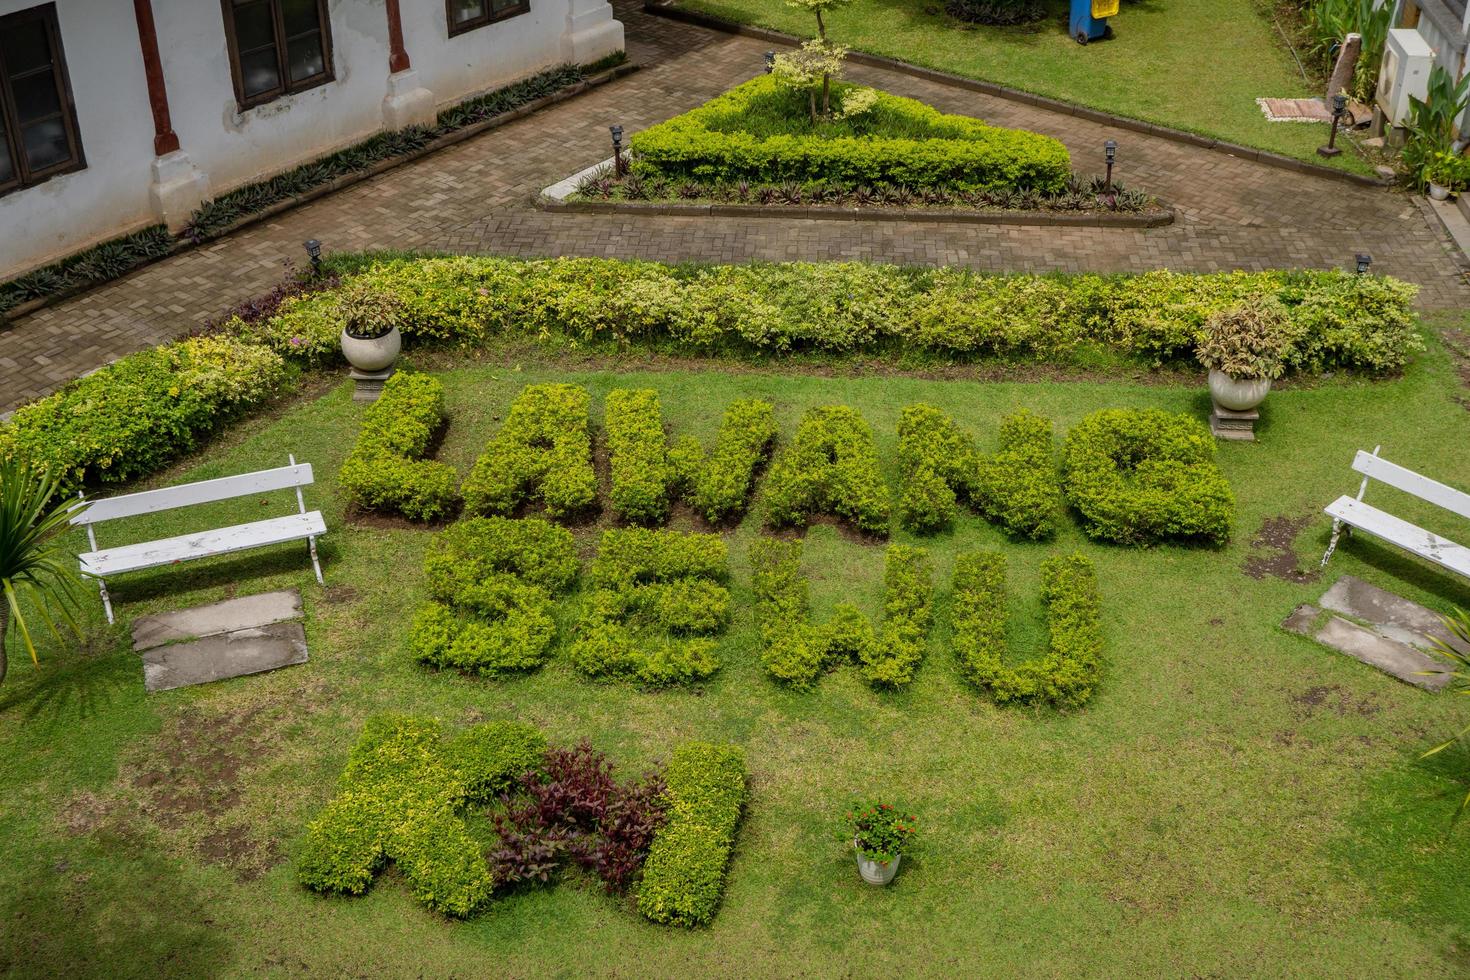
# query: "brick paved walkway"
x,y
476,197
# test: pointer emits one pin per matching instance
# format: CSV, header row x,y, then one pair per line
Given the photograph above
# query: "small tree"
x,y
815,61
833,55
29,565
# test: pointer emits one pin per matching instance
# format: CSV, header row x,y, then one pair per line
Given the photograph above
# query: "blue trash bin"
x,y
1090,19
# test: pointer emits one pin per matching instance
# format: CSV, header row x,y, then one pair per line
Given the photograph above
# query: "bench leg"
x,y
1337,530
311,543
106,600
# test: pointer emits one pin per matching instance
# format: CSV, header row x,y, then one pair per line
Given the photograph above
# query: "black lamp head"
x,y
1364,260
1111,149
313,249
617,133
1339,104
770,61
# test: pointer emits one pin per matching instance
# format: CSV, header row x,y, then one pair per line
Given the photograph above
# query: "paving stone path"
x,y
477,197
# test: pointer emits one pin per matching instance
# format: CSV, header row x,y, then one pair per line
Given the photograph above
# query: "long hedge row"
x,y
911,144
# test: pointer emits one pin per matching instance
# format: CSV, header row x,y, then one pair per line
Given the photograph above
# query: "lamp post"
x,y
1364,260
314,252
617,138
770,62
1110,150
1339,106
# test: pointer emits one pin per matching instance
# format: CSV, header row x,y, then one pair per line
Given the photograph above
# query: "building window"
x,y
466,15
38,123
277,46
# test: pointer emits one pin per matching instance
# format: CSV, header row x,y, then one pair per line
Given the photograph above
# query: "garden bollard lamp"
x,y
1110,149
1364,260
313,252
617,138
770,62
1339,106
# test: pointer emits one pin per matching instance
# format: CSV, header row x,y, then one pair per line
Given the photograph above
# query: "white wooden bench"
x,y
1352,512
104,563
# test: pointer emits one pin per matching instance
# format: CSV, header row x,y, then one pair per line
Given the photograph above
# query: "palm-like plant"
x,y
30,566
1457,652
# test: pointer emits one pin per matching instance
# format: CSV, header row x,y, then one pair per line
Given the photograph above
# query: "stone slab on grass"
x,y
246,612
1396,659
1393,616
224,655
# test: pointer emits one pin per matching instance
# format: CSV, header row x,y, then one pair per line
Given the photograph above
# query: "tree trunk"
x,y
811,100
826,94
821,27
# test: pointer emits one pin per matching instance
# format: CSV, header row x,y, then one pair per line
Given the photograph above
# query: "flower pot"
x,y
1238,395
1438,192
876,872
376,354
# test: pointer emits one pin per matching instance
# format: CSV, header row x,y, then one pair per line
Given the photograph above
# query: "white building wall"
x,y
109,197
230,147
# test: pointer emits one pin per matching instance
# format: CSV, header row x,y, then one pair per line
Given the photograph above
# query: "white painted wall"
x,y
110,196
100,38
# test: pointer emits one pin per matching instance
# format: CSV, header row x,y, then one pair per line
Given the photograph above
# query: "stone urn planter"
x,y
372,354
876,872
1237,394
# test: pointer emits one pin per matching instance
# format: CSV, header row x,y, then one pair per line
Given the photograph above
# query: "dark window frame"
x,y
283,69
22,175
488,18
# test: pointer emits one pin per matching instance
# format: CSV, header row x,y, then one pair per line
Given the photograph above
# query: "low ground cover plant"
x,y
1017,488
796,651
386,469
402,798
1066,675
641,474
704,795
493,582
658,598
761,131
572,810
1141,476
717,484
830,467
543,451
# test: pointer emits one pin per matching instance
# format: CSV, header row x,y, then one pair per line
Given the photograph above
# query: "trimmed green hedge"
x,y
1068,673
639,451
912,144
831,467
1018,488
1140,476
796,651
544,449
649,584
718,485
1336,320
401,798
140,413
492,582
385,470
937,465
684,875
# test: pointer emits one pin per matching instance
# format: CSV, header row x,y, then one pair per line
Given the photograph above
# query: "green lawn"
x,y
1197,65
1235,800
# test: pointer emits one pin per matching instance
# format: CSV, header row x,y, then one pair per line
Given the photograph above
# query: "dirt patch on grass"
x,y
1273,551
338,595
359,516
1458,342
1332,698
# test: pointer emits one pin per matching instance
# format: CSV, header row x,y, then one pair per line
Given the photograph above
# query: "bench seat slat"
x,y
1380,524
168,551
203,492
1380,469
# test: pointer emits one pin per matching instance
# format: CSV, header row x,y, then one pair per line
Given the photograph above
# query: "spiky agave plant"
x,y
30,564
1457,651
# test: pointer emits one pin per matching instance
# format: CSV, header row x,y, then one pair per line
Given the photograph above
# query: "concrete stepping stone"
x,y
1391,656
1393,616
224,655
246,612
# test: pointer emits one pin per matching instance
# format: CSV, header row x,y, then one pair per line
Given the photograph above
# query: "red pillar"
x,y
397,56
165,140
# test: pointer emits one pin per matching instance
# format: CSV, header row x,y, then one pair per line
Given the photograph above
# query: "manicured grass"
x,y
1235,800
1197,65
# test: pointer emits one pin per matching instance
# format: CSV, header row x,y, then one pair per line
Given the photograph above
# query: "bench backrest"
x,y
204,492
1380,469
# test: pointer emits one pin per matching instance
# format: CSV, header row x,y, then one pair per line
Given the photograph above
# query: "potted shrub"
x,y
370,319
880,832
1242,350
1446,173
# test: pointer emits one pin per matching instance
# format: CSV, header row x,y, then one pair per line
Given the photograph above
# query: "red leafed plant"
x,y
881,831
575,810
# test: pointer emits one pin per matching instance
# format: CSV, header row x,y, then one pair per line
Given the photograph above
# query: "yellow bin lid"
x,y
1104,8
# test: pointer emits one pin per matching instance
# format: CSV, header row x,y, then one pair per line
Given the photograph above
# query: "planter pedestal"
x,y
1231,425
368,385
